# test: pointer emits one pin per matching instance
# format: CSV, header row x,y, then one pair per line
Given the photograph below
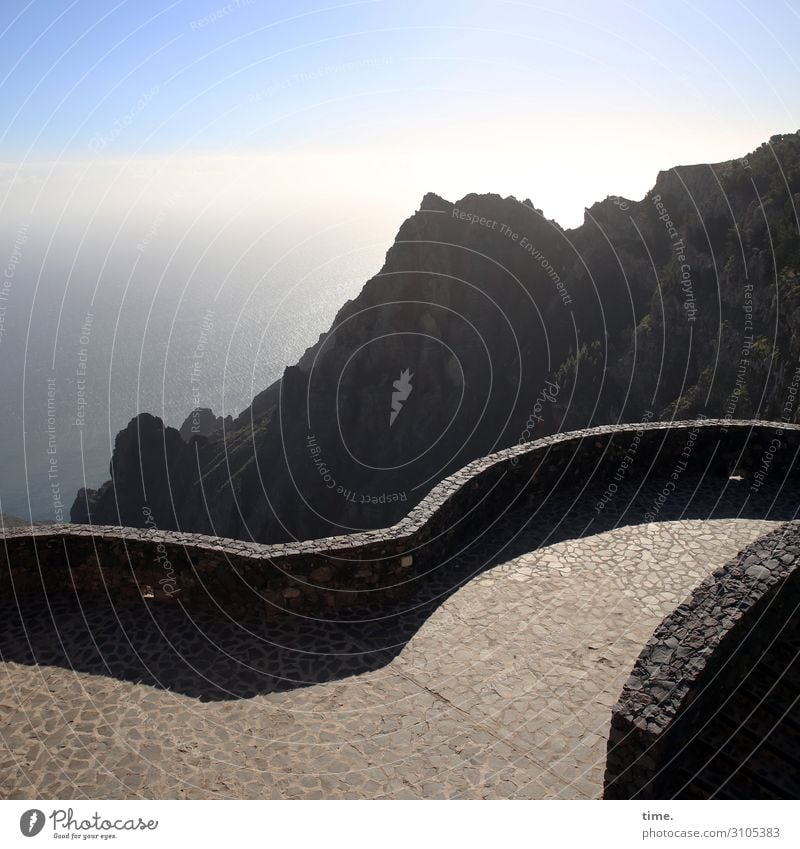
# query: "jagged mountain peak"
x,y
482,302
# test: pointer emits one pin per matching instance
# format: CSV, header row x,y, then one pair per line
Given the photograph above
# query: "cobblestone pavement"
x,y
504,689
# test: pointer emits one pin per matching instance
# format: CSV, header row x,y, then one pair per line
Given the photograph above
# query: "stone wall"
x,y
368,569
690,671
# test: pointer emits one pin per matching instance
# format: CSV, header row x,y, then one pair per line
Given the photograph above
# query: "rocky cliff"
x,y
489,325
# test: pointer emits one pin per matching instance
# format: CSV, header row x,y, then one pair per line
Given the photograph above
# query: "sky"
x,y
248,164
355,110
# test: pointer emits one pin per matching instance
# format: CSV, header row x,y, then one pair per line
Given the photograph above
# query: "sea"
x,y
163,320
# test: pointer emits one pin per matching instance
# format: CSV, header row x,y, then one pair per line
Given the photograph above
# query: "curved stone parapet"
x,y
368,568
710,708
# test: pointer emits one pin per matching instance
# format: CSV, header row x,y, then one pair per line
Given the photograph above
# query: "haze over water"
x,y
188,193
175,333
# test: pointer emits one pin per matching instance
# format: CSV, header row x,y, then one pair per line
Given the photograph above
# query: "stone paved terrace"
x,y
499,682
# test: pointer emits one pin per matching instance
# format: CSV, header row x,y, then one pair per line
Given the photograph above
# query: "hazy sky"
x,y
359,108
253,161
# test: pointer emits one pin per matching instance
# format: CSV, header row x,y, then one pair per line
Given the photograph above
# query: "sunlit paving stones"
x,y
502,690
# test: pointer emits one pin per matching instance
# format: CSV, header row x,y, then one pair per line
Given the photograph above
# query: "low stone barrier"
x,y
368,569
695,661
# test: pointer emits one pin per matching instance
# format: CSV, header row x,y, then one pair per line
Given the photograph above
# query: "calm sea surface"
x,y
86,346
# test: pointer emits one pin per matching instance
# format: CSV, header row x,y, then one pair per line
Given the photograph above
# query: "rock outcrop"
x,y
498,327
202,422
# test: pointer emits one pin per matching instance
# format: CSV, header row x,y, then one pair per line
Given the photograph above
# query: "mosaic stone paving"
x,y
502,688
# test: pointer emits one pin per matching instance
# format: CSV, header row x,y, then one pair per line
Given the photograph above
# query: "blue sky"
x,y
257,158
558,101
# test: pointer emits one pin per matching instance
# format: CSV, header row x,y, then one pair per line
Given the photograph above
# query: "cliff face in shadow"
x,y
489,325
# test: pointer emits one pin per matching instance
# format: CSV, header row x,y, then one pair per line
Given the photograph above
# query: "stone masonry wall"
x,y
368,569
694,661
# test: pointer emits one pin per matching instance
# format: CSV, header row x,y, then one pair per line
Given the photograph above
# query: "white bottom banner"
x,y
401,824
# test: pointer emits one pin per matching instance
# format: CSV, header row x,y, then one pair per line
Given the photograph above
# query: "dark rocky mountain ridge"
x,y
489,325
